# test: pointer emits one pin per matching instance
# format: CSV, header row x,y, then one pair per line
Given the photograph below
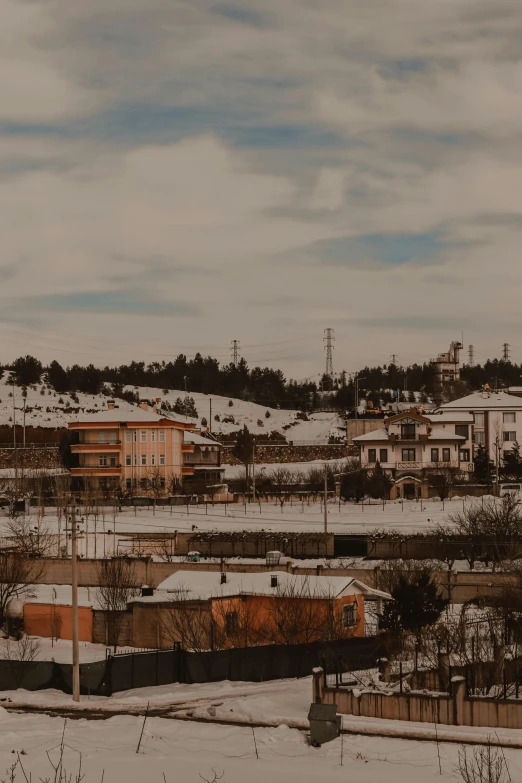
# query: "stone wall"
x,y
268,455
30,458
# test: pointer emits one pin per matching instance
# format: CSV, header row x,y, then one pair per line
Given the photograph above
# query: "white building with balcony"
x,y
412,445
497,419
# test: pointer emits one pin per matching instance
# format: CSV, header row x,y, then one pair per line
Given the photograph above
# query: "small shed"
x,y
325,724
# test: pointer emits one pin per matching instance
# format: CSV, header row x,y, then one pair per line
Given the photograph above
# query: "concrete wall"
x,y
357,427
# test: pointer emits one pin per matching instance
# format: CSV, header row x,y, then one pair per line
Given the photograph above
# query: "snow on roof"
x,y
380,434
383,436
447,417
61,595
202,585
496,399
198,440
137,415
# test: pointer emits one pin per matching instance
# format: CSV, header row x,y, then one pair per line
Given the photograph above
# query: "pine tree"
x,y
483,466
417,603
244,447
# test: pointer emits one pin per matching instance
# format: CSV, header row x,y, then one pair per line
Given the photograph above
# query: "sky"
x,y
176,174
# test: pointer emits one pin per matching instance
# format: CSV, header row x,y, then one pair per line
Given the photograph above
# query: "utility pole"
x,y
325,499
14,441
74,583
357,393
253,468
235,352
210,417
471,355
329,341
505,352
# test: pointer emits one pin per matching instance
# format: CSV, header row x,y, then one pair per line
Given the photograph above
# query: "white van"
x,y
510,489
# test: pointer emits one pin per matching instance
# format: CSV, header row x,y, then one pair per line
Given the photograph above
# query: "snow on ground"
x,y
60,650
47,408
173,750
103,535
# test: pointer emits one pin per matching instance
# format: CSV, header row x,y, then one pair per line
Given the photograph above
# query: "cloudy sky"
x,y
175,174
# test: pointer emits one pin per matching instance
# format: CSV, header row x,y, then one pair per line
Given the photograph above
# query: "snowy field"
x,y
174,750
108,531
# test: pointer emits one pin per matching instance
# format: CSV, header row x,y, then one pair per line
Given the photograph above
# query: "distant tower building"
x,y
447,368
471,355
329,340
235,351
505,352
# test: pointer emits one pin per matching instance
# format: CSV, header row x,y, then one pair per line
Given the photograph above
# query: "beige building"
x,y
131,448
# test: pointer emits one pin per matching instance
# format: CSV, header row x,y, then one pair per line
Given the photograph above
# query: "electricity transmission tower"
x,y
393,359
235,351
505,352
471,355
328,346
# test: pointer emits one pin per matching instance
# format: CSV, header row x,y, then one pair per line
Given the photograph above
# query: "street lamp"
x,y
357,380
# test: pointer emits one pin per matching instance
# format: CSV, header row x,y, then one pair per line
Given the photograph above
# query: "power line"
x,y
329,341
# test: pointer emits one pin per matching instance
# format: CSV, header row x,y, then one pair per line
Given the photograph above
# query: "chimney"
x,y
273,580
110,405
144,405
157,406
223,579
486,393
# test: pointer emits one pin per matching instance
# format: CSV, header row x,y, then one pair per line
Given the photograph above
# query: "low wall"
x,y
450,710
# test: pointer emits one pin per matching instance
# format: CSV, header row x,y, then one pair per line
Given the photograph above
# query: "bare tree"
x,y
187,620
20,653
281,484
30,540
17,575
443,479
117,585
482,764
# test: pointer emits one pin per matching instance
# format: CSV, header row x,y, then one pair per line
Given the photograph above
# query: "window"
x,y
143,483
408,431
153,436
128,436
349,615
162,436
135,459
231,622
463,430
383,455
434,455
162,459
372,455
103,461
103,436
479,419
479,438
143,459
153,460
128,483
408,455
446,455
464,455
143,436
113,462
128,459
510,436
509,418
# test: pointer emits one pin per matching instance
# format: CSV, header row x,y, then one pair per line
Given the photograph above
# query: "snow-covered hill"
x,y
47,408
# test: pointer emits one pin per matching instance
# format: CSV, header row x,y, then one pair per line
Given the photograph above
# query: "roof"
x,y
202,585
199,440
449,417
60,595
476,401
136,415
383,436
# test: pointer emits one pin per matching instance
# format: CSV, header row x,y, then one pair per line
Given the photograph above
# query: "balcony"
x,y
415,436
97,470
409,465
96,446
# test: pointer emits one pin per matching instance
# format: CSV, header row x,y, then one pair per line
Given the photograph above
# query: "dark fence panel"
x,y
162,667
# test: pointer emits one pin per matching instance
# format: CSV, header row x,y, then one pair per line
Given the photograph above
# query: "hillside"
x,y
47,408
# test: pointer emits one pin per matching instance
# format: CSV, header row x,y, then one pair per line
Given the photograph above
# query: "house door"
x,y
409,491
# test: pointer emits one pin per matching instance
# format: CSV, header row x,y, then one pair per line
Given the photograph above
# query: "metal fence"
x,y
162,667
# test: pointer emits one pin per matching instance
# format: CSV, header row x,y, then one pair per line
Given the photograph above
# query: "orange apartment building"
x,y
122,448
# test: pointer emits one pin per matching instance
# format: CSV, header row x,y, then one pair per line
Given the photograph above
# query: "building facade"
x,y
410,446
497,419
201,461
130,449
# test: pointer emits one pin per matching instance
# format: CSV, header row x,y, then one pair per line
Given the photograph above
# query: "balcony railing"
x,y
415,436
99,442
409,465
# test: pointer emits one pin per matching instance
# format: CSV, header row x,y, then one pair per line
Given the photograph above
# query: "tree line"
x,y
379,385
